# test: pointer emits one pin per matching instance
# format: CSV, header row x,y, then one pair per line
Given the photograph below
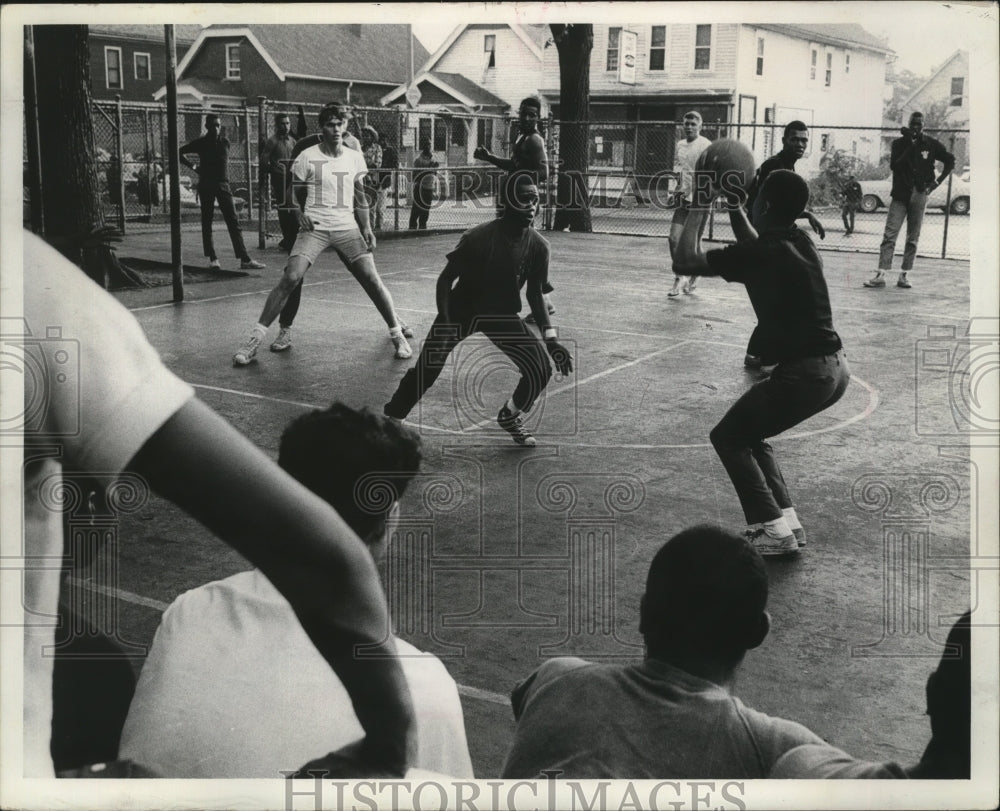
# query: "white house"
x,y
947,87
828,76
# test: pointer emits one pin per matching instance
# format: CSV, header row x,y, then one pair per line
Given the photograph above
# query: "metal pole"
x,y
262,180
31,133
947,205
247,158
174,166
120,153
148,140
395,172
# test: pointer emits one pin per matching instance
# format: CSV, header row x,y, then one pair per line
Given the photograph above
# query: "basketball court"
x,y
506,556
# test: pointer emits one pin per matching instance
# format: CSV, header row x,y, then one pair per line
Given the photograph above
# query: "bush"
x,y
834,170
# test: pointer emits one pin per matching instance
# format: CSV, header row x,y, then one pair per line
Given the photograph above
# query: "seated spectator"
x,y
232,687
673,716
949,705
110,406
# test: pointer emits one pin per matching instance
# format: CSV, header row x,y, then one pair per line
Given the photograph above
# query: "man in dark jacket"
x,y
912,160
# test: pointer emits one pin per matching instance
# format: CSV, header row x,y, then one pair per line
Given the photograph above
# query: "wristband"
x,y
550,333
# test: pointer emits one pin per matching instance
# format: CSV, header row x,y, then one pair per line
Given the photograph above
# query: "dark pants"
x,y
795,391
421,207
847,214
208,193
508,333
287,220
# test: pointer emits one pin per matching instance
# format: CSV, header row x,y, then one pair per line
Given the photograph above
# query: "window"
x,y
233,61
484,132
614,42
824,142
459,132
847,63
490,49
657,47
957,90
760,56
113,68
829,69
702,47
141,64
440,131
425,128
812,64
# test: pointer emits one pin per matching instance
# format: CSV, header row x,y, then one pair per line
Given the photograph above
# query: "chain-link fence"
x,y
630,180
628,167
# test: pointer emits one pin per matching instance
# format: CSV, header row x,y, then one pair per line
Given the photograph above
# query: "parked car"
x,y
876,195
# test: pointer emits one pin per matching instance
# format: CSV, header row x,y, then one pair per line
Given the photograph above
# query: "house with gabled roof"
x,y
232,64
947,87
131,60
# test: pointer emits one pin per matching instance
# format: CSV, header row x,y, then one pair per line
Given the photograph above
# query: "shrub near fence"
x,y
630,168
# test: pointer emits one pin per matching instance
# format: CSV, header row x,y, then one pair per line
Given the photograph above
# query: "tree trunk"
x,y
71,203
574,43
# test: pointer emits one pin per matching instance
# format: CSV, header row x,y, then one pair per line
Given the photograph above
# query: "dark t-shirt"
x,y
783,274
783,160
213,158
494,268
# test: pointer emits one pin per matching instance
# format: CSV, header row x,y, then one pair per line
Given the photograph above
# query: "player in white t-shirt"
x,y
333,211
685,157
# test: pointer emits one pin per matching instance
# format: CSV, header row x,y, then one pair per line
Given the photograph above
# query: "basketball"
x,y
730,165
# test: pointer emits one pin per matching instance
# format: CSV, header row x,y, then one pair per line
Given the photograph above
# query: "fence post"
x,y
148,182
120,154
395,174
947,205
262,182
246,126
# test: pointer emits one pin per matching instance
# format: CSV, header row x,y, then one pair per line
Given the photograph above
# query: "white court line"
x,y
158,605
261,292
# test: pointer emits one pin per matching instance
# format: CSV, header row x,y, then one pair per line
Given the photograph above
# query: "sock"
x,y
791,518
396,331
260,331
513,409
777,528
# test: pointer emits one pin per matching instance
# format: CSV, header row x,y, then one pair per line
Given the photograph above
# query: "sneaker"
x,y
903,283
690,285
676,289
769,546
403,351
283,341
800,536
515,427
752,361
407,332
252,264
214,265
246,353
530,317
878,281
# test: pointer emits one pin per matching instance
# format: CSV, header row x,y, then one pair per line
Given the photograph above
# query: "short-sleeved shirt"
x,y
494,268
213,158
685,159
106,392
234,688
644,721
783,274
330,186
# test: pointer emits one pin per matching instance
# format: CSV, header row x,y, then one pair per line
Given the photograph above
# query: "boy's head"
x,y
332,111
359,462
783,197
212,123
691,124
706,595
795,138
521,197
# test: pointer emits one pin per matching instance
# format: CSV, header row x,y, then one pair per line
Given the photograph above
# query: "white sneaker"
x,y
214,265
769,545
246,353
283,341
403,351
251,264
690,284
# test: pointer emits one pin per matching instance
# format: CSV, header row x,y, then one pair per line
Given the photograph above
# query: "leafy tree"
x,y
574,44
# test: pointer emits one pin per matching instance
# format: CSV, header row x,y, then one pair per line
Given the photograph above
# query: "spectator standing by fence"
x,y
390,163
424,183
373,160
212,150
912,160
686,157
852,200
275,163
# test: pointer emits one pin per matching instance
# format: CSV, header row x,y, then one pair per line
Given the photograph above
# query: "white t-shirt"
x,y
234,688
330,198
95,391
685,157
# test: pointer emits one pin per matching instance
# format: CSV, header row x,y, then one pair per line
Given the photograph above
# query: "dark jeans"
x,y
795,391
208,193
422,199
847,215
508,333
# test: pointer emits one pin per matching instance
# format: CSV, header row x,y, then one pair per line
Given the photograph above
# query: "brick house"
x,y
130,60
734,73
